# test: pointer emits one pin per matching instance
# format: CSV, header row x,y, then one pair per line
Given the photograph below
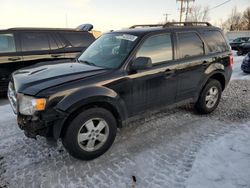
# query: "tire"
x,y
85,125
204,105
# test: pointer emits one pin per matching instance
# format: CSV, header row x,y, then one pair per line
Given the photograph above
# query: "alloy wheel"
x,y
93,134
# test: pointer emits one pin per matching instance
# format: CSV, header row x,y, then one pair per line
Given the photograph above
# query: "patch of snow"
x,y
224,162
238,74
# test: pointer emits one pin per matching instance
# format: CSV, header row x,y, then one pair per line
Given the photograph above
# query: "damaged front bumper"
x,y
45,124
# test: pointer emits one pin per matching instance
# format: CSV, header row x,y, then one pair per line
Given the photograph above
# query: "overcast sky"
x,y
103,14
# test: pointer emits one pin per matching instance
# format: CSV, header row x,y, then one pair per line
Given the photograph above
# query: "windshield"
x,y
109,51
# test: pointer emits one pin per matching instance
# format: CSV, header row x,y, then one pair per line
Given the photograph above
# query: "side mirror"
x,y
141,63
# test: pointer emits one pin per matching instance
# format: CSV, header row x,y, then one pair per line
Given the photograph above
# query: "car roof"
x,y
41,29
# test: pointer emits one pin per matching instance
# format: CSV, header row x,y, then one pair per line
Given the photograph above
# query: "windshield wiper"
x,y
89,63
86,62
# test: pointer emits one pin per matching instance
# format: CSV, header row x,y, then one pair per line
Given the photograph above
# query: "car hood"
x,y
34,79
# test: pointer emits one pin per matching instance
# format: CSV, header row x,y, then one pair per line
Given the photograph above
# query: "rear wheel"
x,y
90,134
209,97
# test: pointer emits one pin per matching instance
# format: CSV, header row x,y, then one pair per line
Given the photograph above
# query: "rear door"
x,y
57,47
77,41
35,47
192,63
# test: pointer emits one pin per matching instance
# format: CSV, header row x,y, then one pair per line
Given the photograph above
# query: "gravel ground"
x,y
166,148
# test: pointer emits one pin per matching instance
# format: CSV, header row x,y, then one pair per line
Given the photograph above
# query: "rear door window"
x,y
215,41
34,41
158,48
190,45
78,39
7,43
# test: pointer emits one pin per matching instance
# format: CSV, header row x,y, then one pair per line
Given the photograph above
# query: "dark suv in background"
x,y
21,47
122,74
235,44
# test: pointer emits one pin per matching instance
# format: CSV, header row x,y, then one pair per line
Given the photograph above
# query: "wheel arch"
x,y
221,78
99,104
217,75
93,97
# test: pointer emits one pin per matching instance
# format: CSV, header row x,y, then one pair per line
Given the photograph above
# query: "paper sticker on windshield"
x,y
127,37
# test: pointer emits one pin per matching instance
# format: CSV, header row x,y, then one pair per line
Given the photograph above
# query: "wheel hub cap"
x,y
93,134
212,97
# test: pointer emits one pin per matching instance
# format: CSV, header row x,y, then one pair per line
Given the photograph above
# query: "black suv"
x,y
122,74
235,44
21,47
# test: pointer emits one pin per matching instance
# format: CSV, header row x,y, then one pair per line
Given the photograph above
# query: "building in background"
x,y
231,35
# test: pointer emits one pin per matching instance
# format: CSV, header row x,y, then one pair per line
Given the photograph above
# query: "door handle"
x,y
14,58
169,73
56,55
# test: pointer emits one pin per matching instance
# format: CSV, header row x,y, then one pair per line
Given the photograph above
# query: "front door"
x,y
155,86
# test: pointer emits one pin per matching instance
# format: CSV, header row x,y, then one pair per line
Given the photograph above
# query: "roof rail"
x,y
146,25
186,24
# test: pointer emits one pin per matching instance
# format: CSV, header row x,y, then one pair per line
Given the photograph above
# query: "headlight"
x,y
29,105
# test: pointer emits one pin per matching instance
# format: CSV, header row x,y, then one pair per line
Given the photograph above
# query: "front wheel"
x,y
90,134
209,97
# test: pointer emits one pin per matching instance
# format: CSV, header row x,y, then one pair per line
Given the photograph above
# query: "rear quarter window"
x,y
78,39
215,41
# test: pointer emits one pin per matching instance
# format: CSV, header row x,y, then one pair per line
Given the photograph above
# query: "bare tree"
x,y
233,23
246,19
199,14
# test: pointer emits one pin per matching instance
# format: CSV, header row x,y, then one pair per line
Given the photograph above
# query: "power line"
x,y
220,5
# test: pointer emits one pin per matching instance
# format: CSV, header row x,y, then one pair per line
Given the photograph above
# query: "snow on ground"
x,y
238,74
224,162
167,148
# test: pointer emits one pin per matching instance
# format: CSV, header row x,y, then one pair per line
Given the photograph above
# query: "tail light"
x,y
231,60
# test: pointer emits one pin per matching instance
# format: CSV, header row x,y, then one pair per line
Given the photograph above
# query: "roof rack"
x,y
168,24
146,25
186,24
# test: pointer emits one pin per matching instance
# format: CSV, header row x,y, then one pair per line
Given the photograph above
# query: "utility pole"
x,y
187,10
66,20
166,17
181,10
